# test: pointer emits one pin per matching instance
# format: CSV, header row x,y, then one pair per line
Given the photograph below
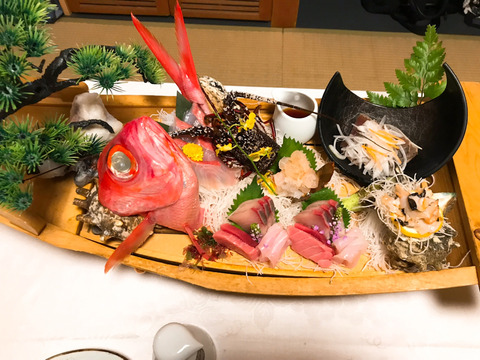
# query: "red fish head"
x,y
139,169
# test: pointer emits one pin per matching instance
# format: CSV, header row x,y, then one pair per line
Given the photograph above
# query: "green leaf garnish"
x,y
182,106
329,194
288,147
422,78
250,192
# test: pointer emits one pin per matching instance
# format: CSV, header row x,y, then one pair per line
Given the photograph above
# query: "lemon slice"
x,y
411,232
445,203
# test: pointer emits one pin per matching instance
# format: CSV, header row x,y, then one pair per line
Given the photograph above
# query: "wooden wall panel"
x,y
138,7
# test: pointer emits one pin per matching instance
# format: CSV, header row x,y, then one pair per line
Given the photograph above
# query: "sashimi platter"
x,y
202,187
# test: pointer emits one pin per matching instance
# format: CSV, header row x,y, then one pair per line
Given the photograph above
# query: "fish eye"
x,y
121,162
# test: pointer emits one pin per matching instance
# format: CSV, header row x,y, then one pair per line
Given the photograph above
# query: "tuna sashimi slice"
x,y
234,243
256,211
309,247
319,236
273,245
242,235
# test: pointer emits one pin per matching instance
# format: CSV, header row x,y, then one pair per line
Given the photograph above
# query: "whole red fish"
x,y
142,171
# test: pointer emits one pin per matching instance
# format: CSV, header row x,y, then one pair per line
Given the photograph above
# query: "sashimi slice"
x,y
309,247
234,243
256,211
242,235
319,236
273,245
349,248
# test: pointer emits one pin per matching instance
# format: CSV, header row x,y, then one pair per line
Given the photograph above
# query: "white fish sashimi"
x,y
273,245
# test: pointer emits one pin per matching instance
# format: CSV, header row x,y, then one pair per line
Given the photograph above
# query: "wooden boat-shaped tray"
x,y
52,218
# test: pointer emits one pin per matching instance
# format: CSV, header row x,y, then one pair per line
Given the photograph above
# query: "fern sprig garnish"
x,y
422,78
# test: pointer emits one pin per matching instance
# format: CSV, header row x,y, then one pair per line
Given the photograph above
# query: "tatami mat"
x,y
260,56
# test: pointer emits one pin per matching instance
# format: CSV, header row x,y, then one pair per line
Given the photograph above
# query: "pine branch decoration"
x,y
24,37
422,79
25,145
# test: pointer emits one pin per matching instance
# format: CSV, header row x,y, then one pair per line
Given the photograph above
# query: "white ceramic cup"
x,y
176,341
301,129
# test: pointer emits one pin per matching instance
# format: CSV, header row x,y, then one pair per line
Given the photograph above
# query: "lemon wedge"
x,y
411,232
445,203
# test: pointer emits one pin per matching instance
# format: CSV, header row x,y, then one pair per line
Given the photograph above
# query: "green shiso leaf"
x,y
422,78
288,147
250,192
329,194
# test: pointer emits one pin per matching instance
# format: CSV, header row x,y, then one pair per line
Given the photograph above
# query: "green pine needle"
x,y
25,145
37,42
34,12
10,94
422,78
18,199
56,127
148,65
94,146
11,176
32,156
12,32
126,52
64,154
86,61
13,66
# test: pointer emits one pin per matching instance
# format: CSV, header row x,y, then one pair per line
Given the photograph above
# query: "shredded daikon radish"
x,y
374,231
377,148
217,202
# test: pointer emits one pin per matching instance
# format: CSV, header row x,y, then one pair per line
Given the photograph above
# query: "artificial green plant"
x,y
25,79
24,37
26,146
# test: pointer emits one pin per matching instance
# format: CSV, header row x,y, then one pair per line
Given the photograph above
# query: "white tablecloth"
x,y
54,300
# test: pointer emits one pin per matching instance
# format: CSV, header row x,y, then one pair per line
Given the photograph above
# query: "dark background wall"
x,y
352,15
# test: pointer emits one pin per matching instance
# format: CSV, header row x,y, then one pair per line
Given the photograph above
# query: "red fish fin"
x,y
131,243
168,63
186,58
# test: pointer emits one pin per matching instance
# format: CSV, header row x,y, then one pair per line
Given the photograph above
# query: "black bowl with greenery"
x,y
437,126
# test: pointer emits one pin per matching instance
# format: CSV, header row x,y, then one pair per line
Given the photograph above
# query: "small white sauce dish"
x,y
291,123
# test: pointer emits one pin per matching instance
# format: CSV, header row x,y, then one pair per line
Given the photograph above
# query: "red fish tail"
x,y
132,242
186,58
168,63
187,64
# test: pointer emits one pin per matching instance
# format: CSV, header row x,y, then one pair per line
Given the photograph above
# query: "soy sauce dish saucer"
x,y
437,126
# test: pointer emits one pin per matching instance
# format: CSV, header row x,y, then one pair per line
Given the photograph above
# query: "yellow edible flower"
x,y
268,183
193,151
227,147
257,155
250,122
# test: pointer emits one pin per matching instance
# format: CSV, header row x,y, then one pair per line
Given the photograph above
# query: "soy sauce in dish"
x,y
295,113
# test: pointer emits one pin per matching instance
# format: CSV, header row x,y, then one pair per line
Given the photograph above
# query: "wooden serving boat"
x,y
52,218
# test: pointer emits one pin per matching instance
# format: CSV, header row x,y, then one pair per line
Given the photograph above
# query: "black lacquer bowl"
x,y
437,126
